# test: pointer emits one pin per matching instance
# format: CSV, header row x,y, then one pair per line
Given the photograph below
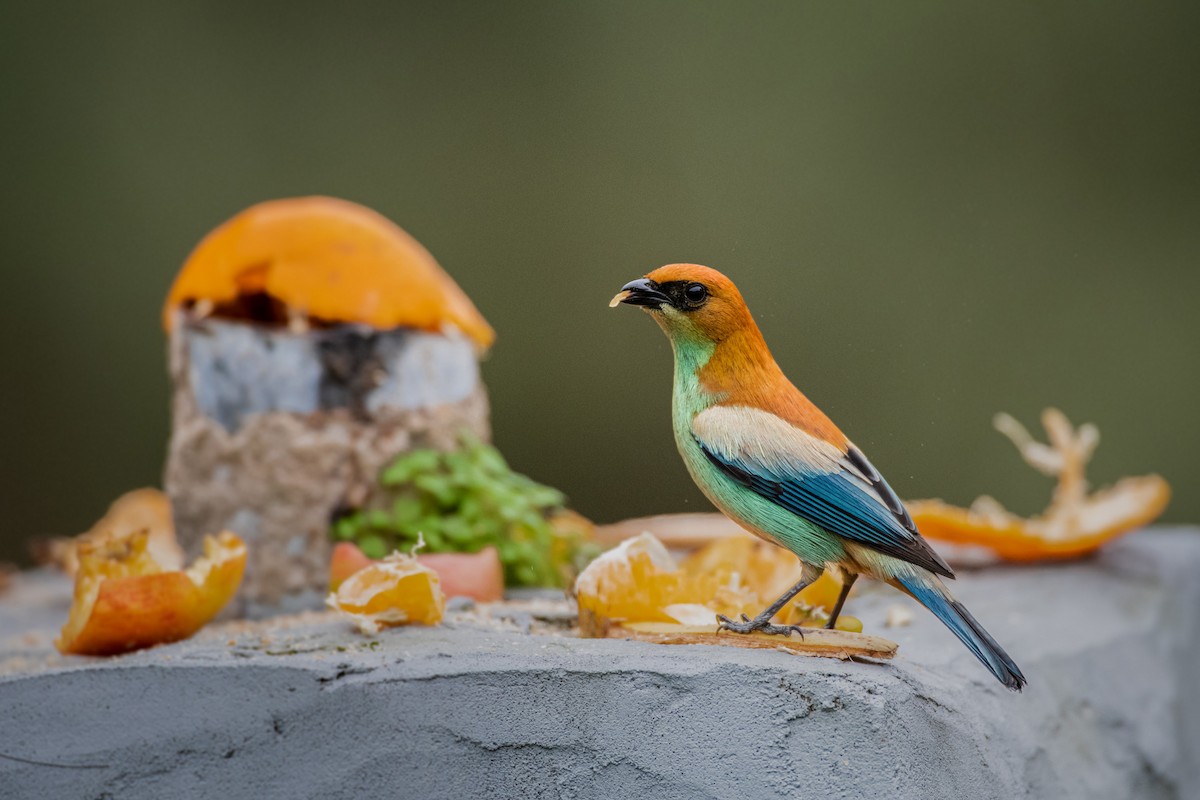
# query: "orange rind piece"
x,y
145,509
125,600
347,558
479,575
395,591
1075,523
327,260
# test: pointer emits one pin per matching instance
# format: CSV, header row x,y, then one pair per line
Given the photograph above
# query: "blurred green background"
x,y
936,211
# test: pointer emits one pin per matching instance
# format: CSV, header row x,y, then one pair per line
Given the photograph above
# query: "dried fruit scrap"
x,y
1074,524
479,576
125,600
398,590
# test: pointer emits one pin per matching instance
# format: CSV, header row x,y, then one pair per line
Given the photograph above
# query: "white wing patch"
x,y
754,436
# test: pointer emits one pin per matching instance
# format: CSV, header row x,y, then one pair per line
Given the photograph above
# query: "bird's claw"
x,y
756,625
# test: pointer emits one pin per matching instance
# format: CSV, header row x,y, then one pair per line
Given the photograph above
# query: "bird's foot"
x,y
759,624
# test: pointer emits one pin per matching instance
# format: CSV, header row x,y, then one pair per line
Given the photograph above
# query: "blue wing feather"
x,y
842,502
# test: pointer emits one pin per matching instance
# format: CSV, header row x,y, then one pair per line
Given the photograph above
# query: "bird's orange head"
x,y
690,301
712,333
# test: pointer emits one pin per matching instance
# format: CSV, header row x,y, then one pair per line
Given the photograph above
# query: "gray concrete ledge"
x,y
1112,710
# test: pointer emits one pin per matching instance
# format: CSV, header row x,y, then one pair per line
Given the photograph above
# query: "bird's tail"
x,y
930,592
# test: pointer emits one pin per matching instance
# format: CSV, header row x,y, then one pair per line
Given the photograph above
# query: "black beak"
x,y
642,292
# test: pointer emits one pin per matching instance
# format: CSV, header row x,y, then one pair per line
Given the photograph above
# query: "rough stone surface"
x,y
274,432
306,708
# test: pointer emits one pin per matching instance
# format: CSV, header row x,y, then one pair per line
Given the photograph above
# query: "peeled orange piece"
x,y
396,591
822,593
764,568
1076,522
125,600
638,581
767,571
479,576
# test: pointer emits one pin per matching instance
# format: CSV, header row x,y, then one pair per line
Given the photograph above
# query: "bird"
x,y
774,463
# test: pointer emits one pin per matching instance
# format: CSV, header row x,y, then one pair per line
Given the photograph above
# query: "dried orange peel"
x,y
126,600
329,260
1075,523
398,590
639,582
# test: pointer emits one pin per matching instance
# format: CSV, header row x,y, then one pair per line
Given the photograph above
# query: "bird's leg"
x,y
841,601
762,622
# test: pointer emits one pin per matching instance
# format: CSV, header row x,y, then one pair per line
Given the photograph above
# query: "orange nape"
x,y
325,260
479,576
639,581
395,591
1075,523
125,600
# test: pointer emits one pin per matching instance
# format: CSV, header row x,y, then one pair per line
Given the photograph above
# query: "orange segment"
x,y
638,581
479,576
329,259
1075,523
125,600
823,593
395,591
768,571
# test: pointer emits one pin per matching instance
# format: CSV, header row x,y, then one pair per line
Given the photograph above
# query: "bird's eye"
x,y
695,293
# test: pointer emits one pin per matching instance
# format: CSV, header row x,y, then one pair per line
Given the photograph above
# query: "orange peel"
x,y
147,509
329,260
345,560
398,590
126,600
1075,523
